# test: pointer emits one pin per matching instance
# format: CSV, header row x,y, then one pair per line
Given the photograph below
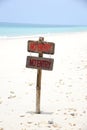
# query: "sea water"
x,y
7,29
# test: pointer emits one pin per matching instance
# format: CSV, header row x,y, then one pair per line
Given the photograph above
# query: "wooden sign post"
x,y
40,63
38,86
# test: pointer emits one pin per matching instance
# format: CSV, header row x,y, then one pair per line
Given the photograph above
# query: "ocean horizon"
x,y
20,29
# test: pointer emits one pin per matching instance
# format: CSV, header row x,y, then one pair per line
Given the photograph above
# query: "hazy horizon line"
x,y
40,24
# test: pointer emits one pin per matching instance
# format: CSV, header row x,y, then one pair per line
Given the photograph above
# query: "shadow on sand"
x,y
42,113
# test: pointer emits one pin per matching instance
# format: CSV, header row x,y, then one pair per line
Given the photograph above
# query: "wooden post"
x,y
38,85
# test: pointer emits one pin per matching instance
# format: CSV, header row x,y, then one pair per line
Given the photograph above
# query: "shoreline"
x,y
42,35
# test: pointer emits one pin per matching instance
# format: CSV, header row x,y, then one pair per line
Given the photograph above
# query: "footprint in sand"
x,y
85,97
12,95
1,129
22,115
85,67
0,100
31,84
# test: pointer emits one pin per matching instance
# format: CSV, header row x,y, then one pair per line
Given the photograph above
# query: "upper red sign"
x,y
41,47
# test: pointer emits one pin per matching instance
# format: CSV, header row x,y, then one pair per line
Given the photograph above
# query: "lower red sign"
x,y
39,63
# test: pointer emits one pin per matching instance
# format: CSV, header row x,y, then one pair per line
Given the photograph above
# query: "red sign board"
x,y
39,63
41,47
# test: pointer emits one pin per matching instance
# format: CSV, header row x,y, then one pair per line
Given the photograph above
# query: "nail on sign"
x,y
39,63
45,47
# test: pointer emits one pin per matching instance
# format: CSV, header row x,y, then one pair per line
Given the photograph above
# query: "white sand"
x,y
64,90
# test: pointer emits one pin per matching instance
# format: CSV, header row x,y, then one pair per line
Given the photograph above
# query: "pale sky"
x,y
65,12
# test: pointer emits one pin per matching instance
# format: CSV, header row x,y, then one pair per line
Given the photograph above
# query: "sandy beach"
x,y
63,90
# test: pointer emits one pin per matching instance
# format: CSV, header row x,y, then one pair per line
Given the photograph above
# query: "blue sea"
x,y
14,29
